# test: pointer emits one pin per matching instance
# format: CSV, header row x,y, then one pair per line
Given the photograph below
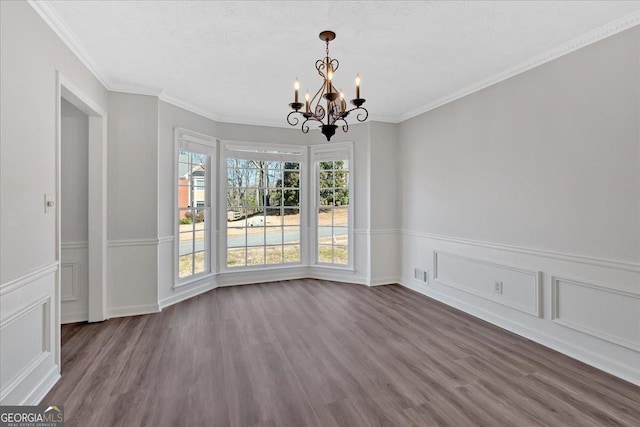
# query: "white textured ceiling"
x,y
236,61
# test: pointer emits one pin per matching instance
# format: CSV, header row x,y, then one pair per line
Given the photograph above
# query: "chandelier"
x,y
334,112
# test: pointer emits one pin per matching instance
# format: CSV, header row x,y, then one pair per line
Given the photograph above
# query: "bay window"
x,y
195,170
264,205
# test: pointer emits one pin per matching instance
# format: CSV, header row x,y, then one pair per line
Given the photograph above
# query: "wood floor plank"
x,y
320,353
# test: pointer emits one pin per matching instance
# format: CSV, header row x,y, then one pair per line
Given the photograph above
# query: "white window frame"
x,y
193,141
267,152
325,153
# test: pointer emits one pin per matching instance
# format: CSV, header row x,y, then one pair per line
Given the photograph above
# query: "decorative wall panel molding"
x,y
74,245
69,281
601,311
32,320
132,242
30,277
520,288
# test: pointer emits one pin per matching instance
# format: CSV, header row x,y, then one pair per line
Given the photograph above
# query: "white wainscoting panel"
x,y
132,277
29,338
31,321
601,311
596,324
521,287
74,282
69,281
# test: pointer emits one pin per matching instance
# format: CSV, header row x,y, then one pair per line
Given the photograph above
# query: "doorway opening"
x,y
84,125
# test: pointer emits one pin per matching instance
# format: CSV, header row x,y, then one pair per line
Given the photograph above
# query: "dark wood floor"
x,y
318,353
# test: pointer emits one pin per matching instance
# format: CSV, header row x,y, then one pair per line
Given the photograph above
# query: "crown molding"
x,y
136,90
51,17
591,37
177,102
53,20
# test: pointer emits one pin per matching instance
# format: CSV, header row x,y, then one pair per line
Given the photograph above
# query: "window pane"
x,y
325,217
235,216
273,216
236,257
325,253
255,236
291,253
236,237
325,235
199,241
291,234
291,197
340,217
341,179
200,263
274,254
326,197
326,179
291,216
183,157
273,235
326,165
341,255
291,179
255,256
185,265
185,243
274,198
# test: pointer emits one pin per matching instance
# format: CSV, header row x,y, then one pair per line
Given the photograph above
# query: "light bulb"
x,y
306,95
296,85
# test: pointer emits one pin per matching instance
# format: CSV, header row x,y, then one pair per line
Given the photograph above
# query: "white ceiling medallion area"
x,y
376,17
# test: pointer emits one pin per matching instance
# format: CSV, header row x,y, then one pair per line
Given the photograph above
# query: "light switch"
x,y
49,203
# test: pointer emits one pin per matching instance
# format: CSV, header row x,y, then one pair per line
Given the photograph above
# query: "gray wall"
x,y
74,173
547,159
30,56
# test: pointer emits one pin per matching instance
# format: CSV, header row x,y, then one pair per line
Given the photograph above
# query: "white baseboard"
x,y
581,354
384,281
41,390
73,317
181,294
133,310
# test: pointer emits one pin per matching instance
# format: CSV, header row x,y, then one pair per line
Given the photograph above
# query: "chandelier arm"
x,y
290,120
319,113
361,116
318,95
345,126
305,126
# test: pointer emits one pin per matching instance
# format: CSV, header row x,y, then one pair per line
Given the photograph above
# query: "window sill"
x,y
193,281
250,269
334,267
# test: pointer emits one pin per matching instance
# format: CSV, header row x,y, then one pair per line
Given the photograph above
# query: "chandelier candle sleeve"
x,y
334,112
